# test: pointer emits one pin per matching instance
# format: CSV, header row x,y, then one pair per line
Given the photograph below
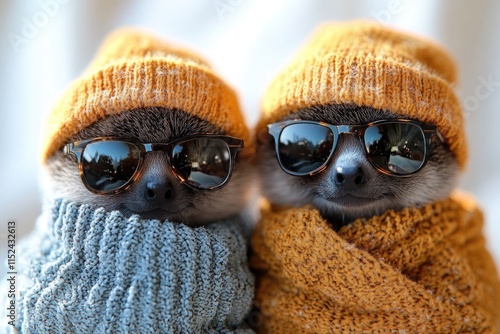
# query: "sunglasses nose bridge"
x,y
343,129
149,147
156,147
349,130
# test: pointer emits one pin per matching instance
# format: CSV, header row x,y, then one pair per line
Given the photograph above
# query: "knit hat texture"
x,y
136,70
367,64
424,270
88,270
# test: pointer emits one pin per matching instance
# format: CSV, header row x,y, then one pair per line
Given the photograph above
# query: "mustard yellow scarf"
x,y
422,270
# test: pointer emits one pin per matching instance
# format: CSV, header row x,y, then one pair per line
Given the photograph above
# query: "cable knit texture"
x,y
95,271
414,271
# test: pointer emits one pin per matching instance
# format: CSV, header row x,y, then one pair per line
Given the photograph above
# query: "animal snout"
x,y
349,177
158,191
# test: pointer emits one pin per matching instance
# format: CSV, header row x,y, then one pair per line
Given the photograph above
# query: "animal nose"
x,y
158,191
349,178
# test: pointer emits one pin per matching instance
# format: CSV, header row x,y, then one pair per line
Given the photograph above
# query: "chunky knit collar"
x,y
420,269
95,271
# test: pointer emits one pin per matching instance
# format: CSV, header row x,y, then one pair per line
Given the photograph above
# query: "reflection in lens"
x,y
396,147
202,162
304,148
108,165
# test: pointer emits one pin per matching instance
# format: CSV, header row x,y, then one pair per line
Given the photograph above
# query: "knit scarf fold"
x,y
98,272
421,270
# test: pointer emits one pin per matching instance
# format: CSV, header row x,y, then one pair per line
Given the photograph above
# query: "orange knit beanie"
x,y
367,64
135,70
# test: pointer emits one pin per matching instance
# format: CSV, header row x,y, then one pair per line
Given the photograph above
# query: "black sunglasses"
x,y
394,147
109,165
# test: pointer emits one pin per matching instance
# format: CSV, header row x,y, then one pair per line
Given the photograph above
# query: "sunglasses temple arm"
x,y
69,149
236,146
437,134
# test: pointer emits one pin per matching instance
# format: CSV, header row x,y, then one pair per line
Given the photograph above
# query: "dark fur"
x,y
380,192
149,126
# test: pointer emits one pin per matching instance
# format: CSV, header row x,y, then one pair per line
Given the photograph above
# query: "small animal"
x,y
160,189
350,182
146,162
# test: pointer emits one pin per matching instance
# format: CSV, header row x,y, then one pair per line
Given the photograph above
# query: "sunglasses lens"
x,y
304,148
398,148
109,165
204,163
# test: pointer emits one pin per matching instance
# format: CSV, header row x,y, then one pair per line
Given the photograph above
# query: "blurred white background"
x,y
46,43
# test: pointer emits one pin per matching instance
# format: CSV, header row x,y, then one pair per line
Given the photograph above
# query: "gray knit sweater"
x,y
93,271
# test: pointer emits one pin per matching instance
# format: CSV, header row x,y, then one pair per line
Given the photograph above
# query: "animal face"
x,y
351,187
156,193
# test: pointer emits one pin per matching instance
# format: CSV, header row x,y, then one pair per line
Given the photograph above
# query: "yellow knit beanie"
x,y
366,64
135,70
